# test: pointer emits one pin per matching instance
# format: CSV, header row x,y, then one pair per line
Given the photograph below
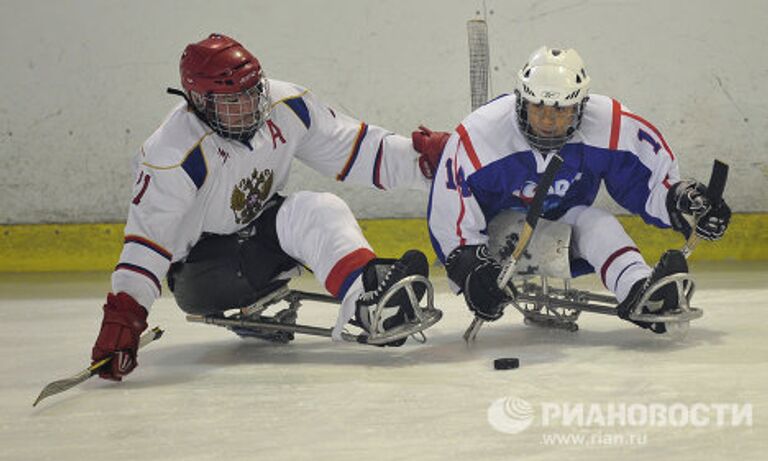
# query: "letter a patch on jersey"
x,y
274,130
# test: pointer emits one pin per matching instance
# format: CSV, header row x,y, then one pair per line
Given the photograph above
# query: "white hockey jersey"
x,y
488,166
192,181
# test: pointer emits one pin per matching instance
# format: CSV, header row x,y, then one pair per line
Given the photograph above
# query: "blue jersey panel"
x,y
510,182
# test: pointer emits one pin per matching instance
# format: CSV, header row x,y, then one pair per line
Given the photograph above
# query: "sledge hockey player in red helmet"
x,y
210,214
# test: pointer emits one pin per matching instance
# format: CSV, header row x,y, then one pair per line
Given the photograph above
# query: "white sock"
x,y
347,310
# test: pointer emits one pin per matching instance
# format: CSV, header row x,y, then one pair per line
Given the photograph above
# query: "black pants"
x,y
230,271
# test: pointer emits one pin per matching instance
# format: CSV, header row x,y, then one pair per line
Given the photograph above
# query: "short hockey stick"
x,y
62,385
531,219
714,194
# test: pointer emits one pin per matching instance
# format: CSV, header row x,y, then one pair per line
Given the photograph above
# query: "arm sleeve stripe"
x,y
459,194
615,125
612,258
195,166
299,107
149,244
140,270
377,166
346,270
464,137
616,128
355,151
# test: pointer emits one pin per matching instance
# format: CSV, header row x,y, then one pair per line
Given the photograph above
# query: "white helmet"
x,y
553,77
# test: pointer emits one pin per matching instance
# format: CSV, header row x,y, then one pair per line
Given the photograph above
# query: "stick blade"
x,y
717,181
62,385
57,387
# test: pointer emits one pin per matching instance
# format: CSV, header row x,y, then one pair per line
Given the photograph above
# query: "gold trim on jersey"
x,y
289,97
197,144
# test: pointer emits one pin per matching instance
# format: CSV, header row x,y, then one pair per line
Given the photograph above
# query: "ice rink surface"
x,y
202,393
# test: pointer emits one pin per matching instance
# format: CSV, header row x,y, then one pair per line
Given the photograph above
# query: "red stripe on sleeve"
x,y
345,266
615,125
468,147
460,234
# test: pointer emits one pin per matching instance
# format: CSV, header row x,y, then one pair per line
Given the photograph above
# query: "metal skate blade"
x,y
427,319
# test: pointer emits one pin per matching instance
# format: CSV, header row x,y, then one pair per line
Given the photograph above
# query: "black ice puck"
x,y
507,363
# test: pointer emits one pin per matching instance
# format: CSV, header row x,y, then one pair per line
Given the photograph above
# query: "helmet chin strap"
x,y
176,92
184,95
200,115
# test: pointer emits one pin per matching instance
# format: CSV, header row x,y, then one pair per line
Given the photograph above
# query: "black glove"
x,y
688,198
472,268
712,225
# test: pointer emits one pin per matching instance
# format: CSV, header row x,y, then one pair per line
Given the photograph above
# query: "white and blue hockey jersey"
x,y
488,166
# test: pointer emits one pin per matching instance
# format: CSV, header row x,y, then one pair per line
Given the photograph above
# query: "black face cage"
x,y
540,143
235,116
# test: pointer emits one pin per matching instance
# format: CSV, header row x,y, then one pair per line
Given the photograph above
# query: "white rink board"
x,y
84,81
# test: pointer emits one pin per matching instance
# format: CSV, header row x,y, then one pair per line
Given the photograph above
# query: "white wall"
x,y
83,81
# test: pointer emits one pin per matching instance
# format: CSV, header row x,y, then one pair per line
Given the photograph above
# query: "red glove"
x,y
124,320
430,145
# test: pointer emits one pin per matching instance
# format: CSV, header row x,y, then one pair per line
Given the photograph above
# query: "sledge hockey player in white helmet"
x,y
208,209
495,158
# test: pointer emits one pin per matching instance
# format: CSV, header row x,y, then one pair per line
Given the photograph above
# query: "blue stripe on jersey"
x,y
355,151
149,244
348,283
299,107
141,270
195,166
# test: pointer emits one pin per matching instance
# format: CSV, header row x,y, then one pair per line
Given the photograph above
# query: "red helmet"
x,y
219,65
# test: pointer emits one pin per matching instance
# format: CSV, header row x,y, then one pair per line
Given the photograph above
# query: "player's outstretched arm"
x,y
123,322
354,151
